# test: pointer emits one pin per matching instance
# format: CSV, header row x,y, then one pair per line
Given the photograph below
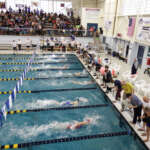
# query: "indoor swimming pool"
x,y
52,101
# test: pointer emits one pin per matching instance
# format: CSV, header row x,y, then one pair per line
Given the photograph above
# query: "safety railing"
x,y
47,31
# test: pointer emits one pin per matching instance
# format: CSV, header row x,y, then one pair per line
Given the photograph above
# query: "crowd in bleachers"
x,y
25,21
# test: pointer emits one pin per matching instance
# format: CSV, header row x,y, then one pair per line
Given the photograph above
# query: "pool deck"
x,y
117,105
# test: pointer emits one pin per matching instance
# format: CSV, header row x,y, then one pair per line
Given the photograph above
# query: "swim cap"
x,y
68,103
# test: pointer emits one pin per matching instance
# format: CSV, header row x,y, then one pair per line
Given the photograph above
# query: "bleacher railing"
x,y
46,31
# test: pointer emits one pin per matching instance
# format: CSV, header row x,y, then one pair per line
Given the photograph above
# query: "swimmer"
x,y
76,103
68,103
77,74
65,67
83,82
79,124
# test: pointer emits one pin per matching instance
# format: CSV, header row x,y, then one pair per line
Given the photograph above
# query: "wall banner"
x,y
131,26
143,30
107,25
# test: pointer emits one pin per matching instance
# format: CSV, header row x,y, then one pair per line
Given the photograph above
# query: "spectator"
x,y
35,22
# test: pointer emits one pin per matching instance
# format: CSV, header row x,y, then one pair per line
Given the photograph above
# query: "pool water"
x,y
52,124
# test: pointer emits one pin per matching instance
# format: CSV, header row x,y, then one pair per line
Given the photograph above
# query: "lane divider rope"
x,y
56,108
47,69
64,140
27,58
37,63
16,79
52,90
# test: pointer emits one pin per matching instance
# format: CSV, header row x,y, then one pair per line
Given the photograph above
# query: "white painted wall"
x,y
90,15
133,54
7,39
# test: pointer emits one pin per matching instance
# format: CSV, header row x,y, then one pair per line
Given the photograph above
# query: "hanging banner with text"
x,y
143,30
107,25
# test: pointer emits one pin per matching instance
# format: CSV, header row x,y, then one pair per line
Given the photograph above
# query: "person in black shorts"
x,y
135,104
14,46
146,103
19,45
147,121
28,44
63,48
107,77
118,88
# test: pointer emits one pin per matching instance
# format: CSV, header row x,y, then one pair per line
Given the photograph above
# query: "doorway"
x,y
140,55
127,51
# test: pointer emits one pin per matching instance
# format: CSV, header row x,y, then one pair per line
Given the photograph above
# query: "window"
x,y
45,5
148,54
134,7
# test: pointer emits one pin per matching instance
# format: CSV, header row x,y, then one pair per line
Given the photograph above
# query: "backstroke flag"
x,y
131,26
10,101
4,111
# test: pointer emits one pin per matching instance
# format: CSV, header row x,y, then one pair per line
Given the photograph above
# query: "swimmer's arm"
x,y
77,74
75,82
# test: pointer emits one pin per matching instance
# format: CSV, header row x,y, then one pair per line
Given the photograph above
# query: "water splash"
x,y
50,128
83,99
43,103
82,82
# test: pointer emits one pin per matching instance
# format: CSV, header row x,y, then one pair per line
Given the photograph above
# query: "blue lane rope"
x,y
64,140
56,108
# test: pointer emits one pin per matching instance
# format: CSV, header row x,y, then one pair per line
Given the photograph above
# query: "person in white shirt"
x,y
52,44
64,46
72,45
28,44
19,44
14,45
41,44
45,44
